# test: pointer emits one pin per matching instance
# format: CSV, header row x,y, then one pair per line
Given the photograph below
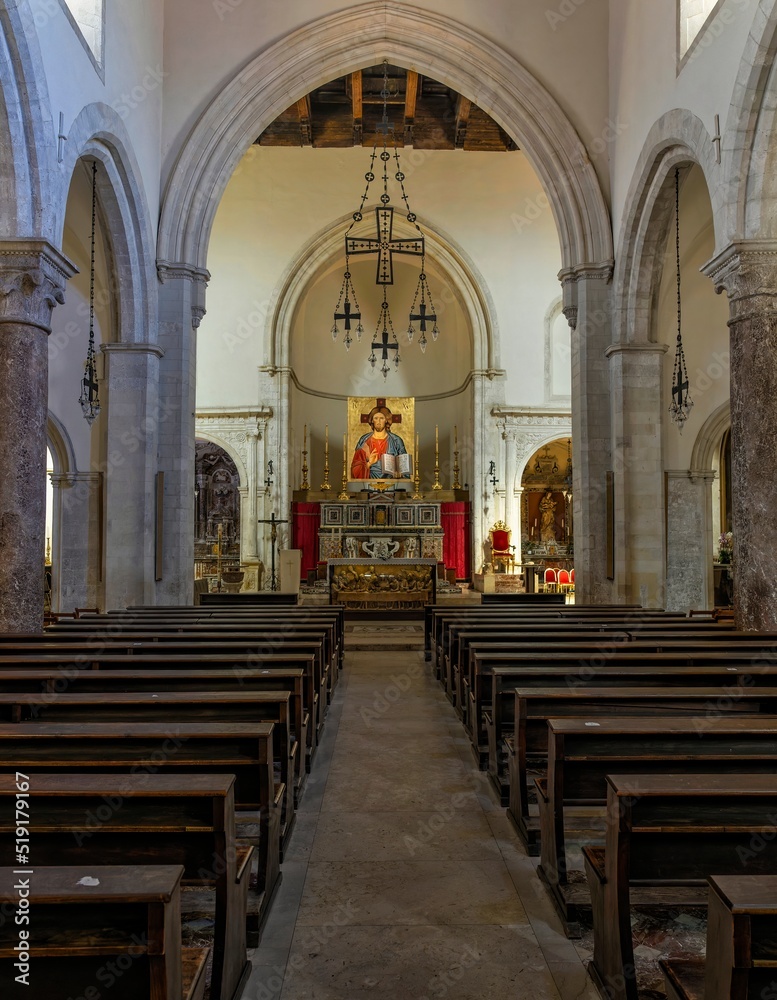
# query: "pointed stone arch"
x,y
28,161
344,42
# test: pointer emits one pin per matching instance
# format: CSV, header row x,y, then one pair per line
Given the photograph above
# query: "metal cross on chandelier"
x,y
385,245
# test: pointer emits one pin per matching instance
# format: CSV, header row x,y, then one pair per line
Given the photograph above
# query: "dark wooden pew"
x,y
534,706
69,679
668,834
242,749
740,962
583,751
237,666
124,932
159,819
491,702
168,707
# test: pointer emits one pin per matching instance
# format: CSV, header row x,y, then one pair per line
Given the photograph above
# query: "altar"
x,y
391,584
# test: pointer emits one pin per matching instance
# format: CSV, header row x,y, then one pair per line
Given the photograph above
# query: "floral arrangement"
x,y
726,547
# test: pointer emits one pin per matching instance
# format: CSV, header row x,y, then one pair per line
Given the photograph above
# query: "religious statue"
x,y
548,518
368,458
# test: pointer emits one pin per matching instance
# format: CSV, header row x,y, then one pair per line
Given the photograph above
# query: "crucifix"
x,y
380,403
680,392
384,246
421,317
347,315
273,538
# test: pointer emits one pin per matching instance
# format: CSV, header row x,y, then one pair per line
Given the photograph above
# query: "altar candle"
x,y
455,437
305,438
344,451
327,436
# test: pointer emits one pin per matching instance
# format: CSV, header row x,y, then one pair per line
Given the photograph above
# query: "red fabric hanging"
x,y
456,542
306,520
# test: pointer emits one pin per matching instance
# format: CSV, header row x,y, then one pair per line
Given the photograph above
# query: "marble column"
x,y
134,418
33,275
640,566
747,271
518,525
588,309
77,547
181,308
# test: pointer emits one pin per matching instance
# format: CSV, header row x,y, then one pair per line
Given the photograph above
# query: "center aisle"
x,y
404,879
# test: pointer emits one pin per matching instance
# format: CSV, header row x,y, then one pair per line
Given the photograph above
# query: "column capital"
x,y
571,276
746,270
33,276
133,348
168,270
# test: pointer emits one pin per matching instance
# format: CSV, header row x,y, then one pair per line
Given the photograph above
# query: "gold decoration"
x,y
417,495
343,495
325,487
437,485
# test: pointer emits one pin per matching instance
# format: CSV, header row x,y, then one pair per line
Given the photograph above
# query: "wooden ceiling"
x,y
424,113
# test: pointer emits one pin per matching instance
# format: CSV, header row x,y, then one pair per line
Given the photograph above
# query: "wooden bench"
x,y
583,751
242,749
741,959
534,706
160,819
492,703
665,835
124,932
236,669
54,682
168,707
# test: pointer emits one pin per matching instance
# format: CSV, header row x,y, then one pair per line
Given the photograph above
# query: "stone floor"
x,y
404,878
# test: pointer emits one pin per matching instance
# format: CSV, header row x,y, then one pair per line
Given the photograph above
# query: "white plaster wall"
x,y
70,322
643,76
704,319
490,205
133,75
206,41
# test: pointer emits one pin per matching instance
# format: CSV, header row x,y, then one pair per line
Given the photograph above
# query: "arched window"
x,y
693,15
89,16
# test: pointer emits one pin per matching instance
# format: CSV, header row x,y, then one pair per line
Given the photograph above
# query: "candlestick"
x,y
417,495
325,487
305,485
437,485
343,495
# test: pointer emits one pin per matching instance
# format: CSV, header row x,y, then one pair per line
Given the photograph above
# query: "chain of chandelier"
x,y
90,393
347,310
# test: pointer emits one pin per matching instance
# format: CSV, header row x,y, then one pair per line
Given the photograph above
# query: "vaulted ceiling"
x,y
424,114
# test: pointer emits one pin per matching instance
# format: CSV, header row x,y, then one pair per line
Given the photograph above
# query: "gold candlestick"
x,y
325,487
417,495
437,485
305,484
456,483
344,488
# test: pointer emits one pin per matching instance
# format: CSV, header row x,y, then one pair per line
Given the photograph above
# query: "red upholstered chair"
x,y
501,549
549,582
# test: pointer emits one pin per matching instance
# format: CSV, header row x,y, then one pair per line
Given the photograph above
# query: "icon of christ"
x,y
368,458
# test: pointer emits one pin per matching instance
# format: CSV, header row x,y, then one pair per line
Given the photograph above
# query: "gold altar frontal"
x,y
396,584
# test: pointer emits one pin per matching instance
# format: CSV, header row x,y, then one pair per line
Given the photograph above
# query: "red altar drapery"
x,y
306,520
456,545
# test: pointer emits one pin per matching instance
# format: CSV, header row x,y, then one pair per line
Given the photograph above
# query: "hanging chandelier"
x,y
90,393
384,244
681,397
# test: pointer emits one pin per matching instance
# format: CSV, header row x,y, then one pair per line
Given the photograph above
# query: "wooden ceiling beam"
x,y
305,121
463,108
357,105
411,99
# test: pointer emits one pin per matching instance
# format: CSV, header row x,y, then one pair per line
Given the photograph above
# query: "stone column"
x,y
689,576
640,566
747,271
518,525
181,308
134,418
509,438
248,547
587,306
77,546
33,275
